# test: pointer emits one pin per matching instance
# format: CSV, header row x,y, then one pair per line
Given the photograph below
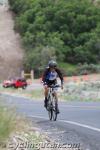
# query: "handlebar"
x,y
54,86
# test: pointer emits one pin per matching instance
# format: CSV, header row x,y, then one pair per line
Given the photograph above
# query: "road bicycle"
x,y
51,102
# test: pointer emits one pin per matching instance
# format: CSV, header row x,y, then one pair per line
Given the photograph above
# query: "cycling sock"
x,y
46,99
45,102
57,106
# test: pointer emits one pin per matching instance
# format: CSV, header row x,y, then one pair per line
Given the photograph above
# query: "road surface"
x,y
78,123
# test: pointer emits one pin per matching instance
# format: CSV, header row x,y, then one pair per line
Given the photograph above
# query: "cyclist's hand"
x,y
44,83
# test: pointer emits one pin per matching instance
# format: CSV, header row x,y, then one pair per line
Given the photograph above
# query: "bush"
x,y
7,123
88,68
72,28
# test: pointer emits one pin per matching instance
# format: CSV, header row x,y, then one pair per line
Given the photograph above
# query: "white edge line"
x,y
71,122
81,125
40,117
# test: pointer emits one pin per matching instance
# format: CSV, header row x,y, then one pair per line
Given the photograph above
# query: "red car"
x,y
20,83
16,83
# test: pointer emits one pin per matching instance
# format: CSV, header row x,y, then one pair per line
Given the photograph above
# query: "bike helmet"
x,y
52,64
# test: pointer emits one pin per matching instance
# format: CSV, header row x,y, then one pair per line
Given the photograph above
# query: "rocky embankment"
x,y
11,52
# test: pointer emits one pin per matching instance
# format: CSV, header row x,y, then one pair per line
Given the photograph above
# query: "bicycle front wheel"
x,y
54,115
54,111
49,108
50,113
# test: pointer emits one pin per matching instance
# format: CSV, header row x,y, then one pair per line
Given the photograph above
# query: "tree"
x,y
69,28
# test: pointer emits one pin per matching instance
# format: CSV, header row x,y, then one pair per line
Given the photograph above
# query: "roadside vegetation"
x,y
77,90
7,123
68,31
82,91
15,131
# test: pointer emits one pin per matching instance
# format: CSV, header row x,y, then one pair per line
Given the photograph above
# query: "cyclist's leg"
x,y
56,102
46,87
46,94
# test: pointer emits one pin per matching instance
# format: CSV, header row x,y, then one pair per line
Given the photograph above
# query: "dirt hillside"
x,y
11,52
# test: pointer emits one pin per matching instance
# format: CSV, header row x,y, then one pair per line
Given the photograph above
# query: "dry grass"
x,y
15,128
7,123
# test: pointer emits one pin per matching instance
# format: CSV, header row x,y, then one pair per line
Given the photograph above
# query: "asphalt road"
x,y
78,123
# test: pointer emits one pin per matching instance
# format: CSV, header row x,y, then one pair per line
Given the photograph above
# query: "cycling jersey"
x,y
51,76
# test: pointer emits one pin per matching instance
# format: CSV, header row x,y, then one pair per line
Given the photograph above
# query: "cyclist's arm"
x,y
60,76
44,75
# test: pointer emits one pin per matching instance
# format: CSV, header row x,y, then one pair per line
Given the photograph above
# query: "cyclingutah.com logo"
x,y
43,146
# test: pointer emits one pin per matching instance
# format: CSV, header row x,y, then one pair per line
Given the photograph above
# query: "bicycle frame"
x,y
50,96
52,103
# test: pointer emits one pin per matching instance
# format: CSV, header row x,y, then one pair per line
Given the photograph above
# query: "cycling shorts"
x,y
49,82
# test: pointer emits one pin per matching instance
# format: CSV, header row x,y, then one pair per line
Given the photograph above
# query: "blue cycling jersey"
x,y
51,75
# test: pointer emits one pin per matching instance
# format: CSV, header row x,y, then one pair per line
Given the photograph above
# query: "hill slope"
x,y
11,53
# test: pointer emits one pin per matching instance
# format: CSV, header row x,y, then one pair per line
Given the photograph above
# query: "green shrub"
x,y
72,28
88,68
7,123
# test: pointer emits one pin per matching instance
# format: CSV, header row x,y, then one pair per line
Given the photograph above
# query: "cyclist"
x,y
50,78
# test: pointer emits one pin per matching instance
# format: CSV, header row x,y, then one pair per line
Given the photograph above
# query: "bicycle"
x,y
51,103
